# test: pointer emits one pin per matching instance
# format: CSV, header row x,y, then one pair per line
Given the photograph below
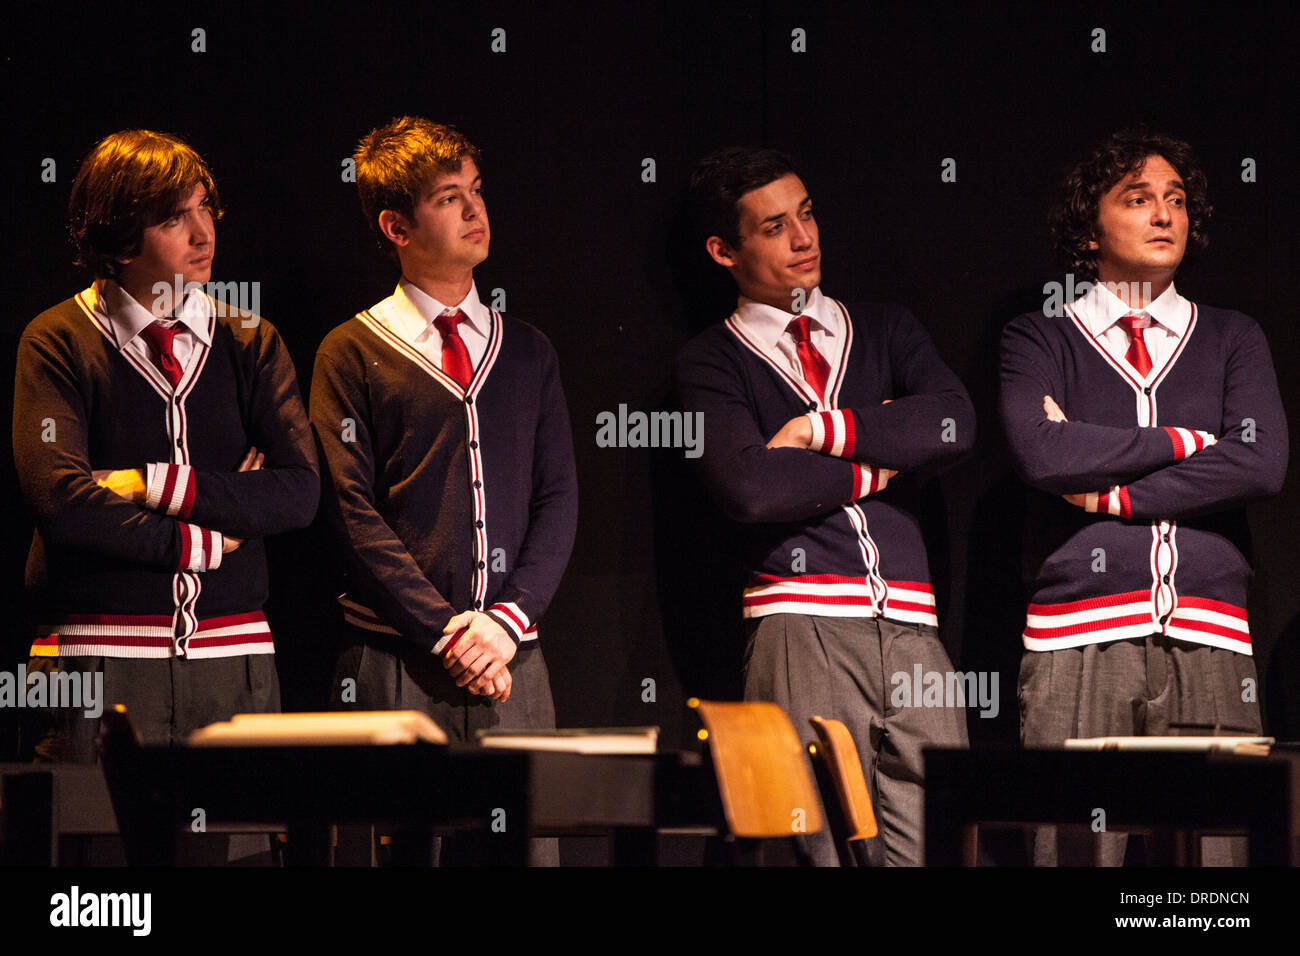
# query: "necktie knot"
x,y
448,325
800,328
160,339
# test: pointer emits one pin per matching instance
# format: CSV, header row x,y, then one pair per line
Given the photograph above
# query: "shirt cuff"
x,y
832,432
169,489
201,549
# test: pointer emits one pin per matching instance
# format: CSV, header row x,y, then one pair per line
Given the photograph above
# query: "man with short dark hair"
x,y
1147,422
817,418
159,436
444,426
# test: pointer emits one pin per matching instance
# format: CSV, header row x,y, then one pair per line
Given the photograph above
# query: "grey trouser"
x,y
1136,687
416,680
844,668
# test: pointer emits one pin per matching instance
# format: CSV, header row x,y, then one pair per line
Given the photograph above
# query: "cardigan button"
x,y
1165,619
812,406
477,483
1147,390
482,565
473,444
478,523
477,604
469,399
1166,579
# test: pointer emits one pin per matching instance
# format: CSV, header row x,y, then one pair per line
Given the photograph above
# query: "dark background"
x,y
596,258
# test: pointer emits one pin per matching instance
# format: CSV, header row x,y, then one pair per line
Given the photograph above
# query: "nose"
x,y
801,236
1162,212
204,229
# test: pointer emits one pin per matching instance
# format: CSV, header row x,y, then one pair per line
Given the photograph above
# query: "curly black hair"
x,y
1074,220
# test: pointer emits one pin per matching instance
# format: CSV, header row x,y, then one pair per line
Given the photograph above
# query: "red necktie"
x,y
1137,354
161,340
816,370
455,357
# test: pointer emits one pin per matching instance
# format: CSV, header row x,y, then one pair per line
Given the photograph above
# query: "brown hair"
x,y
1074,220
395,162
130,181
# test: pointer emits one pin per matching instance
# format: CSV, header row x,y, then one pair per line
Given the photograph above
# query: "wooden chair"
x,y
762,775
844,790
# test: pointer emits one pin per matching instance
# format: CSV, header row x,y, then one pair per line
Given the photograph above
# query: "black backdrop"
x,y
593,254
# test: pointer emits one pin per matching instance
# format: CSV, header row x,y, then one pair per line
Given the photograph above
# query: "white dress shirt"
x,y
766,325
1169,313
411,312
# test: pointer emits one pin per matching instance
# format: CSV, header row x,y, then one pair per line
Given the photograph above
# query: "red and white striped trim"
x,y
867,480
1187,441
169,488
1206,621
514,619
200,548
836,595
1116,617
363,617
832,432
1112,502
153,635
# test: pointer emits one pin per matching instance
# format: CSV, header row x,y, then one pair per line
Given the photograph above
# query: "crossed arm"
x,y
1147,473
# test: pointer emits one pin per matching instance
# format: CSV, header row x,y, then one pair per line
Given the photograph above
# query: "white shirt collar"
x,y
417,309
766,323
128,318
1100,308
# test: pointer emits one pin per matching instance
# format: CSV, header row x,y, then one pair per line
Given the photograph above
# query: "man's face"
x,y
182,245
778,251
1141,232
449,232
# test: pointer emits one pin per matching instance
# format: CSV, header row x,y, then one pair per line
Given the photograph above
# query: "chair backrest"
x,y
762,772
840,757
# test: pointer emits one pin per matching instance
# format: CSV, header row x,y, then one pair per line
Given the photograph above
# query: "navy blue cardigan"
x,y
445,499
116,579
825,532
1163,547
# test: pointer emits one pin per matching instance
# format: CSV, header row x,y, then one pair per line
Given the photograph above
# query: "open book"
x,y
331,729
599,740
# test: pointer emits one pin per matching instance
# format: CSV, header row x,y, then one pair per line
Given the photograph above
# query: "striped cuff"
x,y
867,480
169,489
1112,502
1187,441
832,432
511,618
200,548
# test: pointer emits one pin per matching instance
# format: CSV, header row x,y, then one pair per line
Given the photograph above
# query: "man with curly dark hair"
x,y
1145,422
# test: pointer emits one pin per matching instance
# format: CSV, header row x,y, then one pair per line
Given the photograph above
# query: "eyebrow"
x,y
445,186
1173,184
780,215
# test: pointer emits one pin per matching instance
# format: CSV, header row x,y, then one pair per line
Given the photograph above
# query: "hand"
x,y
127,483
796,433
1079,501
479,654
1054,413
252,460
497,689
229,544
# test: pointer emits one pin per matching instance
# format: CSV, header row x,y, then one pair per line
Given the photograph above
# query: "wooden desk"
x,y
1146,790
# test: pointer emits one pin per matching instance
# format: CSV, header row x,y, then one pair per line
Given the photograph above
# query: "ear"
x,y
720,252
394,226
